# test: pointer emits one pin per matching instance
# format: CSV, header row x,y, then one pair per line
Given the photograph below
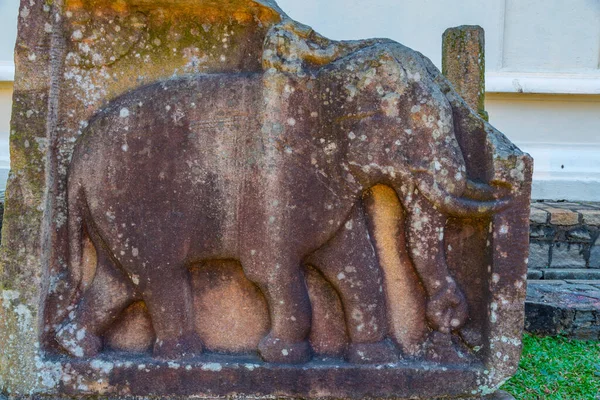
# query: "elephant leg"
x,y
446,308
364,312
168,296
282,282
108,295
350,264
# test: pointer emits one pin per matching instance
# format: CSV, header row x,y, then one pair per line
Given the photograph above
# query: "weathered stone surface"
x,y
572,245
592,282
595,255
579,235
535,274
210,199
583,274
590,217
567,255
463,63
559,216
499,395
594,260
537,232
538,216
563,308
539,255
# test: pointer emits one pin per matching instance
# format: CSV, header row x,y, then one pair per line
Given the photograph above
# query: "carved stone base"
x,y
499,395
220,375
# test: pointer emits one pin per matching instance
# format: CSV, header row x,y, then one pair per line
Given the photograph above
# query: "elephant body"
x,y
264,168
175,174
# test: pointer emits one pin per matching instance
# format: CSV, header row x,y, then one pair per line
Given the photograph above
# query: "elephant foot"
x,y
187,346
277,350
471,337
382,352
77,341
442,347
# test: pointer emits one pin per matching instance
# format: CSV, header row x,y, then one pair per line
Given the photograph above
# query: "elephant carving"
x,y
266,168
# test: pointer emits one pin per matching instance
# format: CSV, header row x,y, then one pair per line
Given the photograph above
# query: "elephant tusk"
x,y
483,191
476,201
464,207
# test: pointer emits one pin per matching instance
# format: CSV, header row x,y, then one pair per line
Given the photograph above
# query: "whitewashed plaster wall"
x,y
542,57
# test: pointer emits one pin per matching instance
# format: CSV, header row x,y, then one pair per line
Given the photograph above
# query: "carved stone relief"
x,y
231,196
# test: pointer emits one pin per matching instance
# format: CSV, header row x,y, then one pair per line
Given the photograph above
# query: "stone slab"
x,y
562,308
554,282
564,274
592,282
498,395
209,199
228,376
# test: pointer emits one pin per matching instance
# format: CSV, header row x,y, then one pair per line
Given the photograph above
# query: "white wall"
x,y
542,57
8,33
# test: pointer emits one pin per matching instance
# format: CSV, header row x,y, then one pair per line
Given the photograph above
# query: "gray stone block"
x,y
536,232
580,235
541,232
534,274
595,256
539,255
567,256
578,274
591,217
538,216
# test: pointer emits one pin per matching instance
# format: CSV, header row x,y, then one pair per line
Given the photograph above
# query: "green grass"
x,y
557,368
